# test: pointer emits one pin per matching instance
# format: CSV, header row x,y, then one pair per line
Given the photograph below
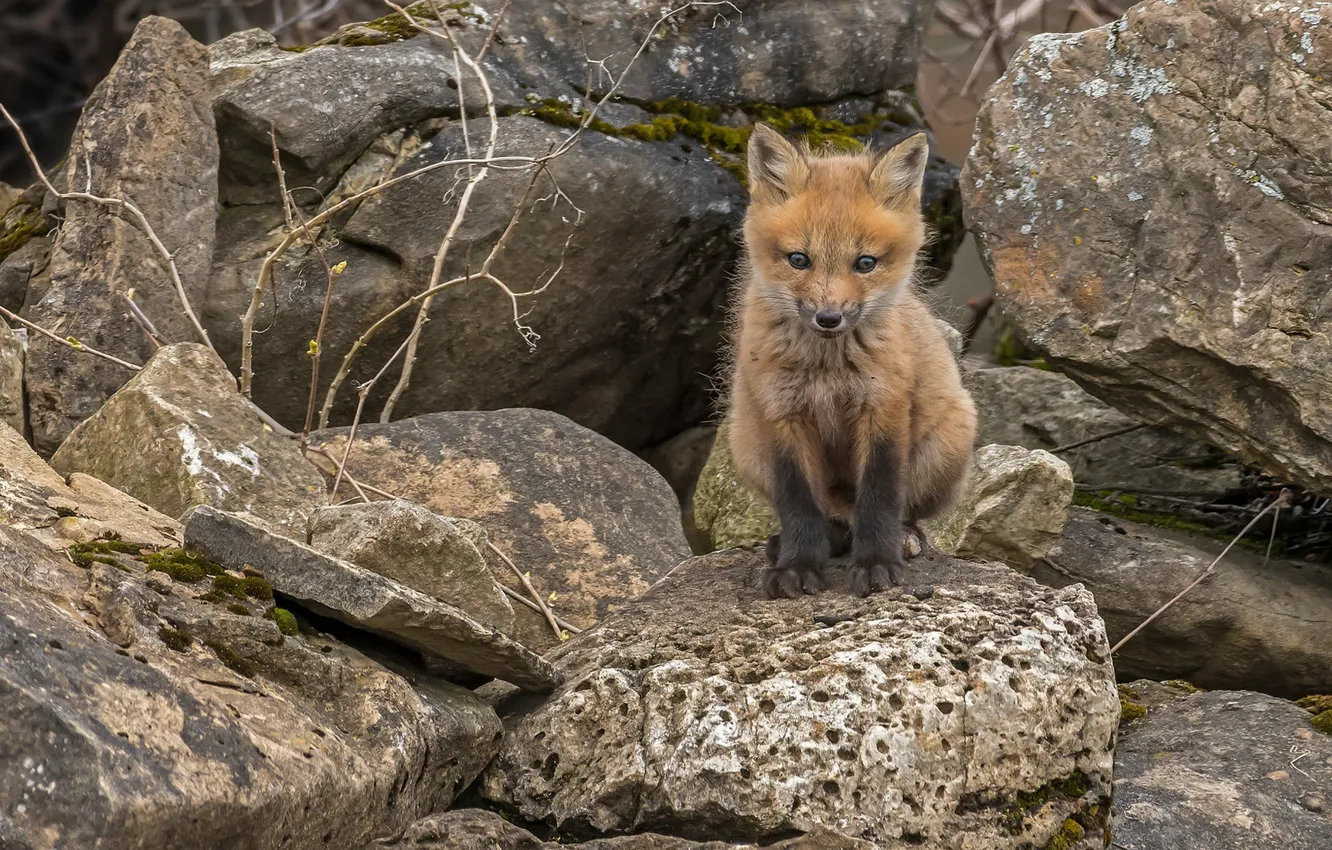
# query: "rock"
x,y
680,459
22,264
774,51
178,434
141,715
1013,508
1222,769
1045,410
364,599
148,135
593,524
322,128
1169,251
618,342
12,408
726,513
477,829
438,556
1255,623
36,500
981,715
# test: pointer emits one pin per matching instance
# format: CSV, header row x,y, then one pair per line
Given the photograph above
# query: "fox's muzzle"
x,y
828,320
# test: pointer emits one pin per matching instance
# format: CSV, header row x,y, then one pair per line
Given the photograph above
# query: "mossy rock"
x,y
725,511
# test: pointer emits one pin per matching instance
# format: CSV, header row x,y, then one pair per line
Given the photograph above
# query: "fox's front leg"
x,y
877,520
804,539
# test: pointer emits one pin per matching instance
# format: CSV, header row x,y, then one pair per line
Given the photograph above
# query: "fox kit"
x,y
847,409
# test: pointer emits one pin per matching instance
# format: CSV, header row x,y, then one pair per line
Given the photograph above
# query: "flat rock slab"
x,y
982,715
365,599
1152,199
1222,770
477,829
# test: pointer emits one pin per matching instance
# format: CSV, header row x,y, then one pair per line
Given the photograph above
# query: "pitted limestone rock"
x,y
981,715
1013,509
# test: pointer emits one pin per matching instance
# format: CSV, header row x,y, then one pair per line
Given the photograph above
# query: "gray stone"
x,y
1225,770
178,434
477,829
1012,510
1150,199
12,407
1256,623
364,599
704,709
236,735
1037,409
147,133
439,556
594,525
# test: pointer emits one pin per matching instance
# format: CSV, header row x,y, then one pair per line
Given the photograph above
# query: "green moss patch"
x,y
182,566
178,640
102,552
286,621
232,659
20,223
1071,787
1129,708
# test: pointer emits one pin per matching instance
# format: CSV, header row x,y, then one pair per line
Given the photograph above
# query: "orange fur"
x,y
891,377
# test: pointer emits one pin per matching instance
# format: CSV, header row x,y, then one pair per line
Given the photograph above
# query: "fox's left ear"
x,y
898,174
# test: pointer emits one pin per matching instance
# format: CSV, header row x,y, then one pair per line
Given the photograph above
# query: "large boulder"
x,y
178,434
477,829
143,710
1225,770
364,599
148,136
1021,406
593,525
980,711
12,408
443,557
1255,623
1149,196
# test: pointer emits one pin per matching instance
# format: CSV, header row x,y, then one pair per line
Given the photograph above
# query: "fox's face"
x,y
832,240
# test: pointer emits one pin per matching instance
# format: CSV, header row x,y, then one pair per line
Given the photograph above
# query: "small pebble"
x,y
1314,804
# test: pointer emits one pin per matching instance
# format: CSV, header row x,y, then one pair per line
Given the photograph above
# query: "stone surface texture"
x,y
148,135
235,734
439,556
364,599
1152,199
1256,623
708,712
1020,406
13,409
1229,770
593,524
1012,510
178,434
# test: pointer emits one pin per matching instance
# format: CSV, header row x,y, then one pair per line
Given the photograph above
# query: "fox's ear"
x,y
777,168
897,176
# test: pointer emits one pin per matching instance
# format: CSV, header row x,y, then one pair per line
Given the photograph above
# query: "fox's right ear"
x,y
777,168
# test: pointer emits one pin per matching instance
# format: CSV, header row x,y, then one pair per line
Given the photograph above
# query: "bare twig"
x,y
115,203
518,597
545,609
141,319
1281,498
363,391
68,342
1128,429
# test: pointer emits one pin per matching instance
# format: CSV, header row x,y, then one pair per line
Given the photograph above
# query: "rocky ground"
x,y
234,613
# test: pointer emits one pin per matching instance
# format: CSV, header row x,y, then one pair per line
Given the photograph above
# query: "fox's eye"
x,y
866,264
798,260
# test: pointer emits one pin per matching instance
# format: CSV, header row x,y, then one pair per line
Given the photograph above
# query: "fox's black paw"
x,y
867,577
799,574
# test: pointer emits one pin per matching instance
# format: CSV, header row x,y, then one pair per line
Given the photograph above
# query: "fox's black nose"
x,y
828,319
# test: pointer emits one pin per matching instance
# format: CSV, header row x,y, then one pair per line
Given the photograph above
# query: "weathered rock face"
x,y
476,829
1222,769
1013,508
364,599
148,135
1148,196
138,714
36,500
1253,624
12,407
726,512
592,523
1037,409
178,434
439,556
982,715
